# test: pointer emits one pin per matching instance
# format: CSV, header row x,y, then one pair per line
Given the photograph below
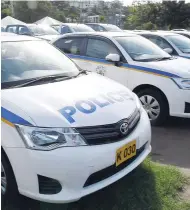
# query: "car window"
x,y
181,42
162,43
11,29
70,45
141,49
30,59
40,30
81,28
64,30
99,48
23,30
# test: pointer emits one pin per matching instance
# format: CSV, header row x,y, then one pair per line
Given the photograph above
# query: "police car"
x,y
65,132
137,63
173,43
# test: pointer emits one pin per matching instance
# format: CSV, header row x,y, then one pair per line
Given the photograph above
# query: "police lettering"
x,y
90,105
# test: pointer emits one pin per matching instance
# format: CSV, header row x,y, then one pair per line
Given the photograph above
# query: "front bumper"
x,y
73,166
179,103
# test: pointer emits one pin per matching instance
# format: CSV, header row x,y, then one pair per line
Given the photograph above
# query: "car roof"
x,y
101,24
105,34
17,38
159,33
73,24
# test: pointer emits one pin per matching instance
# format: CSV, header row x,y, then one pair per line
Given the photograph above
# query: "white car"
x,y
65,133
161,81
173,43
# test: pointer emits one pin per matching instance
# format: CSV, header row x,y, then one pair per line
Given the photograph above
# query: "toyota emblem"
x,y
124,128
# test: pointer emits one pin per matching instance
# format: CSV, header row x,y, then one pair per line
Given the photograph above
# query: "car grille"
x,y
104,134
111,170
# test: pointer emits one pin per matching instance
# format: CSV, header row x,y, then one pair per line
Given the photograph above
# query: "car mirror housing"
x,y
168,50
113,57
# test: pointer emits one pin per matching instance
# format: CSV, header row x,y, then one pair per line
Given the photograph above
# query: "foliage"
x,y
151,16
102,19
44,8
166,15
5,9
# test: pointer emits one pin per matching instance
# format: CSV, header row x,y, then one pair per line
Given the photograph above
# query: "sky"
x,y
129,2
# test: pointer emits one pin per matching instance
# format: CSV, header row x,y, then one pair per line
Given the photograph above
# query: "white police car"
x,y
161,81
65,133
173,43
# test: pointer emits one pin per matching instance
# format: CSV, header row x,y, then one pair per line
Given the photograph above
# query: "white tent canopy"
x,y
48,21
10,21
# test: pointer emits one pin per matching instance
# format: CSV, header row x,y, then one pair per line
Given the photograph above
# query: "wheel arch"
x,y
147,86
7,158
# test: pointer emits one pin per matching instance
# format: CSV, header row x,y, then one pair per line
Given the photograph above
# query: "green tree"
x,y
43,9
102,19
5,9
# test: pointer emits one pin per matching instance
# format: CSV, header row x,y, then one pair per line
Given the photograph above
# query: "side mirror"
x,y
113,57
168,50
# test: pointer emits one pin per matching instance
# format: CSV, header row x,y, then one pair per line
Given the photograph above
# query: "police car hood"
x,y
83,101
179,67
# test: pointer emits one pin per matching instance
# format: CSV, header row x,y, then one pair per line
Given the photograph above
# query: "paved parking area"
x,y
171,143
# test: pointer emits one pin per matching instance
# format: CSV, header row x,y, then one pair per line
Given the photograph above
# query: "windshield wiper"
x,y
164,58
48,78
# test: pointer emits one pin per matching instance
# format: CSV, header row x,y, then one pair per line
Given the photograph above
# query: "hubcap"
x,y
3,180
151,105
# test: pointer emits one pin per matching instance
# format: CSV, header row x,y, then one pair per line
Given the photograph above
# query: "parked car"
x,y
104,27
41,31
138,64
73,27
184,33
66,133
179,29
172,43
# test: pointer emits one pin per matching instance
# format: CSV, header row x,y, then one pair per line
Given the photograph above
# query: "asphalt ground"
x,y
171,142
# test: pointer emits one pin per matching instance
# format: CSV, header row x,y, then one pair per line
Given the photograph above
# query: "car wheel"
x,y
9,188
155,104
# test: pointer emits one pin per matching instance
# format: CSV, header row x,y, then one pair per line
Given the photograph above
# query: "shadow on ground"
x,y
130,193
171,142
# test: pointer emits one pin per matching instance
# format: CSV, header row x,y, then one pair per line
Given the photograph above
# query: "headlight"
x,y
182,83
49,138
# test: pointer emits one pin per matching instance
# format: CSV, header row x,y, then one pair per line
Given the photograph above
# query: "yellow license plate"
x,y
125,152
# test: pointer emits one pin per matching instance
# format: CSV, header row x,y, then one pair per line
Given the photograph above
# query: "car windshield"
x,y
56,27
181,42
112,28
38,30
24,60
81,28
141,49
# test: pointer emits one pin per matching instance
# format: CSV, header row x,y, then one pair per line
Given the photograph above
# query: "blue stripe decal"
x,y
140,68
155,71
13,118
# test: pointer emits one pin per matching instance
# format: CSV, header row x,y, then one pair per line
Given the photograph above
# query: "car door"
x,y
97,48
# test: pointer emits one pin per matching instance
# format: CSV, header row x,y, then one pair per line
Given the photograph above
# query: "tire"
x,y
155,104
11,189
